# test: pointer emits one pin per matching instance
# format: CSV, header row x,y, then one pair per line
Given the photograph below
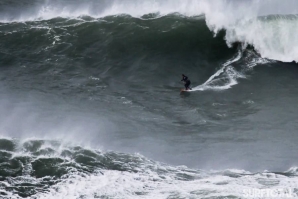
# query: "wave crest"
x,y
271,36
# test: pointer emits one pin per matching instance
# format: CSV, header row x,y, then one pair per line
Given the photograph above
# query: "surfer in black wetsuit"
x,y
186,82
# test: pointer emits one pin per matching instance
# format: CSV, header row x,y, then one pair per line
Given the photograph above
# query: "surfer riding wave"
x,y
186,82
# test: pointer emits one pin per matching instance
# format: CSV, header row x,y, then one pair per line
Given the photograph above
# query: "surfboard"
x,y
183,90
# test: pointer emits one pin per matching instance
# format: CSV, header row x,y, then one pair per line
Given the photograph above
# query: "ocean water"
x,y
91,107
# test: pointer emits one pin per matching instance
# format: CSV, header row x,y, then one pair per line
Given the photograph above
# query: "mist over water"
x,y
91,106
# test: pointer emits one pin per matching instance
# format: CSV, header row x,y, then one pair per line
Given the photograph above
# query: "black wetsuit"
x,y
186,82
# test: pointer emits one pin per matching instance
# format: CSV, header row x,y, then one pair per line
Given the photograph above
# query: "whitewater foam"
x,y
119,184
131,176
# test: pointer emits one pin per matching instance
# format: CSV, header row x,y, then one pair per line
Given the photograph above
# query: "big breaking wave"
x,y
271,35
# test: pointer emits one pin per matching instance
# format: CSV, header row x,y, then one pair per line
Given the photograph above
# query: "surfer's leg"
x,y
187,86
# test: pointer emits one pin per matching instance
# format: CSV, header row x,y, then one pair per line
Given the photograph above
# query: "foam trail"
x,y
230,72
227,75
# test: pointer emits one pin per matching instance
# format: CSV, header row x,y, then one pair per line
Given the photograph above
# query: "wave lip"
x,y
271,36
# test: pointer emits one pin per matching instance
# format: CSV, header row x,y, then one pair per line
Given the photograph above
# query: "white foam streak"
x,y
227,76
230,76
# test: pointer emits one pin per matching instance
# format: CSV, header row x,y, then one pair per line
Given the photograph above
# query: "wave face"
x,y
121,41
50,169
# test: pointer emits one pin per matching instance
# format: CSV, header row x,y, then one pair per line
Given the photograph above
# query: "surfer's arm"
x,y
184,79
